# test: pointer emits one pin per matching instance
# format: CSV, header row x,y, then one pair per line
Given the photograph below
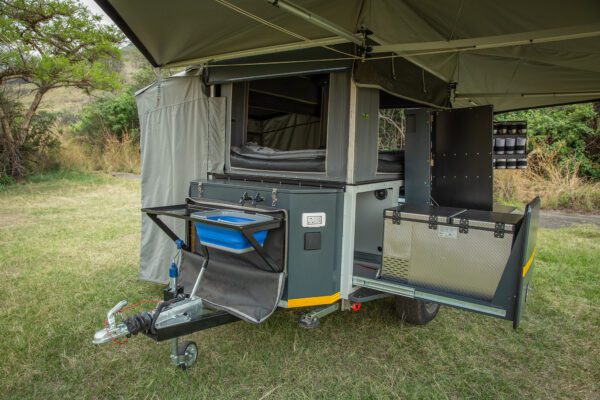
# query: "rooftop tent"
x,y
511,54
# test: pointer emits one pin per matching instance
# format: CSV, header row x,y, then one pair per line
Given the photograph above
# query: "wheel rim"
x,y
431,307
191,353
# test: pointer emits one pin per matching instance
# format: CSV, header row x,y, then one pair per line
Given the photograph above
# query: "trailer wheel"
x,y
188,354
415,312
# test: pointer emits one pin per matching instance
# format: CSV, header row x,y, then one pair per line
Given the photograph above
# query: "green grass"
x,y
69,251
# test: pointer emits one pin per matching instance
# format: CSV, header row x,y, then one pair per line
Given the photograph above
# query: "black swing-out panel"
x,y
462,171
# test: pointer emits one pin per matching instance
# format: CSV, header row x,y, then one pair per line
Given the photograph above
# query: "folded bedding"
x,y
253,156
252,150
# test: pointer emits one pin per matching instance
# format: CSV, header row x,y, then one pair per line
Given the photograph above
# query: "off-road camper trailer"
x,y
266,162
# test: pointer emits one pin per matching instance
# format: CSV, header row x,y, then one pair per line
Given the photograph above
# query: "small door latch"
x,y
257,199
396,218
463,226
245,197
499,230
274,198
433,221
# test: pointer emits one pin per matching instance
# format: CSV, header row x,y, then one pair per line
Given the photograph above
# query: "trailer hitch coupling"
x,y
112,330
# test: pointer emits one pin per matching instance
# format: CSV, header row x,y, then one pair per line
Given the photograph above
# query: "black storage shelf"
x,y
499,135
511,156
514,157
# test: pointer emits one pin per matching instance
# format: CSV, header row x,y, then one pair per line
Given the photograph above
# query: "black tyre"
x,y
415,312
188,352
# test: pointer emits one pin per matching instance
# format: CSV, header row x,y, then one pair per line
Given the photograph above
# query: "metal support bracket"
x,y
175,359
166,229
310,320
249,235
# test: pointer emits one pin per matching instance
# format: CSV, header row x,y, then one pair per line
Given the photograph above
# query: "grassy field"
x,y
69,251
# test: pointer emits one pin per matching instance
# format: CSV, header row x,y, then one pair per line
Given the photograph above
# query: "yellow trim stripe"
x,y
313,301
529,262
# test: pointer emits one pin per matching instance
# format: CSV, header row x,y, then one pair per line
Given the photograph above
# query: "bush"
x,y
40,149
570,132
114,116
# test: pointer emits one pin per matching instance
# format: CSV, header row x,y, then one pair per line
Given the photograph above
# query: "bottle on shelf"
x,y
520,145
510,145
499,145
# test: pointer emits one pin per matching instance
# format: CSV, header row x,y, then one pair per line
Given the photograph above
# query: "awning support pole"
x,y
524,95
316,20
491,42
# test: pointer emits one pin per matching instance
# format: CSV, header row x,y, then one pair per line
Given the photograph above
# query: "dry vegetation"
x,y
114,156
558,184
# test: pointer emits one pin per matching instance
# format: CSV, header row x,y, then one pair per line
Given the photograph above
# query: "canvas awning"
x,y
512,54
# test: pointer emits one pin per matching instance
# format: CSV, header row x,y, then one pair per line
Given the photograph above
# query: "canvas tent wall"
x,y
182,138
511,54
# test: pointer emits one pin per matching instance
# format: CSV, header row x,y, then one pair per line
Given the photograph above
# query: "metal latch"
x,y
433,221
463,226
274,198
499,230
396,218
200,190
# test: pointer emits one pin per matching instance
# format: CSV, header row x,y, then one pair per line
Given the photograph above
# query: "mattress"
x,y
252,156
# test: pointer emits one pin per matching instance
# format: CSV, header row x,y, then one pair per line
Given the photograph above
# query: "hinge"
x,y
396,217
463,226
274,198
499,230
433,221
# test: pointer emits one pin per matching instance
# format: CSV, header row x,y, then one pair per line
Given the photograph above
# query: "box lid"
x,y
422,212
488,219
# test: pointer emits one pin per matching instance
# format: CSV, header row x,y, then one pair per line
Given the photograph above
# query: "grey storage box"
x,y
460,252
398,237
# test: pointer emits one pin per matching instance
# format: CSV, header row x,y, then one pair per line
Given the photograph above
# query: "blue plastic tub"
x,y
228,238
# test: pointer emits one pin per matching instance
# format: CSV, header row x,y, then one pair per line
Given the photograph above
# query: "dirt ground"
x,y
557,219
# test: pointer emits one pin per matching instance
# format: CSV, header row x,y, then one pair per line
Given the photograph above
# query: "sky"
x,y
95,8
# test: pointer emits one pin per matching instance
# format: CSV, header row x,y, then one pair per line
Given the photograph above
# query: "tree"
x,y
49,44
